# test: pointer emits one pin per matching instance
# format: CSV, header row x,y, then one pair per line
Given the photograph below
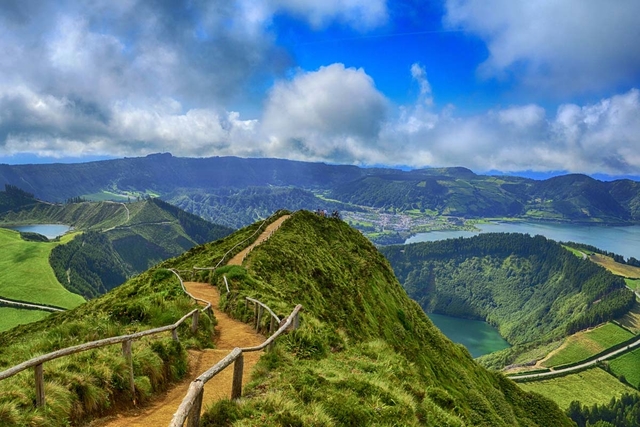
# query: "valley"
x,y
533,292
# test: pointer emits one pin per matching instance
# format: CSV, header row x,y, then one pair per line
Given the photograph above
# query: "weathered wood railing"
x,y
126,341
191,405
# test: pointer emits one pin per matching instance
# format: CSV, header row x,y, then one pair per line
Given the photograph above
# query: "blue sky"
x,y
492,85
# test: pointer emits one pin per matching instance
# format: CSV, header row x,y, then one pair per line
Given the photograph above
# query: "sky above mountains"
x,y
486,84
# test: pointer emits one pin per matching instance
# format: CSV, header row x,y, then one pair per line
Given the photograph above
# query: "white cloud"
x,y
569,46
329,112
601,137
419,74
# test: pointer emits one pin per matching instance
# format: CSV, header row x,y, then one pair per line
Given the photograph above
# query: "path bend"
x,y
230,333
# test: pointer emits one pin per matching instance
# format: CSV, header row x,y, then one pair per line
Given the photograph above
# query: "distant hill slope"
x,y
531,288
120,240
239,207
365,353
217,185
164,173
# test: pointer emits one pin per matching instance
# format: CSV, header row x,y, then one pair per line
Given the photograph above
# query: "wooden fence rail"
x,y
191,405
126,340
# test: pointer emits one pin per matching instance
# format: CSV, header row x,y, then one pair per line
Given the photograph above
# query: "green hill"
x,y
119,239
365,353
531,288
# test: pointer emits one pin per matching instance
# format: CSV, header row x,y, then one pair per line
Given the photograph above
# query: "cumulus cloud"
x,y
571,46
329,113
600,137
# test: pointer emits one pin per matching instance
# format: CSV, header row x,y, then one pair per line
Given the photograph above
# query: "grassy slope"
x,y
589,387
365,353
583,345
11,317
627,365
631,320
25,273
633,284
89,384
615,267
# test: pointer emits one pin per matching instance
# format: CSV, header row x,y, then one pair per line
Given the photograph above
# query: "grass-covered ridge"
x,y
531,288
365,353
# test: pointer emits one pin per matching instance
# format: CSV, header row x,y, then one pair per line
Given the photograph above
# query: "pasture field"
x,y
574,251
633,284
628,365
589,387
106,196
586,344
631,320
25,273
11,317
615,267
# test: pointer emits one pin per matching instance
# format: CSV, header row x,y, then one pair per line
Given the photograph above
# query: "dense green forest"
x,y
365,353
119,239
89,265
15,198
239,207
198,183
620,412
530,288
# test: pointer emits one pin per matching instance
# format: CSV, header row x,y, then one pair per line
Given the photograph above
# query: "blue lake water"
x,y
51,231
624,241
477,336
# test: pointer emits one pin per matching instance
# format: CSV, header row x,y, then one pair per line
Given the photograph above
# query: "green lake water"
x,y
477,336
480,337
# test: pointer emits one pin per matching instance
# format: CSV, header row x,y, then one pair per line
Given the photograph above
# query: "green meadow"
x,y
10,317
583,345
628,366
589,387
25,273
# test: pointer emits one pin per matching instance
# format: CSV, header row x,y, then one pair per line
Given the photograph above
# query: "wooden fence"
x,y
191,405
126,340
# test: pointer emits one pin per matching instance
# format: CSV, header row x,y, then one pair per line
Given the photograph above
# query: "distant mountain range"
x,y
217,188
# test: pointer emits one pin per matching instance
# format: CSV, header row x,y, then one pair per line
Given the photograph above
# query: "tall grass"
x,y
93,383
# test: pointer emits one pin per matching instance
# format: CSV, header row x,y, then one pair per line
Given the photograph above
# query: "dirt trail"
x,y
231,333
237,260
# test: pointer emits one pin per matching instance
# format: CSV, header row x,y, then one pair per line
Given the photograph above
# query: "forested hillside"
x,y
219,187
120,240
531,288
365,353
239,207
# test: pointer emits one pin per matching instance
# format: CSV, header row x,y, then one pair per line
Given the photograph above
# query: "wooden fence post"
x,y
296,321
194,415
260,310
236,387
39,373
194,321
174,334
126,352
272,326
